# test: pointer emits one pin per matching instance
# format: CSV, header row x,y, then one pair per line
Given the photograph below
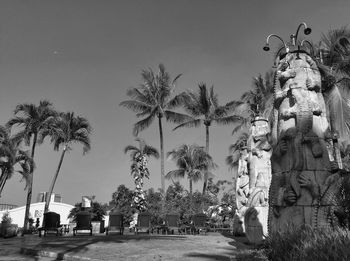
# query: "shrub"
x,y
6,219
305,243
7,229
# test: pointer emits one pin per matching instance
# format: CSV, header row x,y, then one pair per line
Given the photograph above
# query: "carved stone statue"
x,y
260,150
304,164
254,178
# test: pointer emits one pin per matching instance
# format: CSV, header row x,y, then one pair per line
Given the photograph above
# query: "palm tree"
x,y
65,130
192,161
234,150
154,98
334,49
142,149
334,65
11,157
139,169
33,119
257,102
203,108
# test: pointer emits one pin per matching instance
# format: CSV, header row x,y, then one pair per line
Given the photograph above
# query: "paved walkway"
x,y
213,246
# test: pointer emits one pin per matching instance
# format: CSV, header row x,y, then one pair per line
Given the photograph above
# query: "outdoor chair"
x,y
115,223
199,223
172,223
143,221
51,222
83,220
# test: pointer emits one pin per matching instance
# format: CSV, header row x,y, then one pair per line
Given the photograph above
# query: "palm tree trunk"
x,y
3,179
54,180
30,189
207,151
191,198
162,177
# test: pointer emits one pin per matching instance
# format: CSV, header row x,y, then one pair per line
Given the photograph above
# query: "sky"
x,y
83,55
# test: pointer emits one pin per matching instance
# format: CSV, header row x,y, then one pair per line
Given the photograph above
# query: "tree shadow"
x,y
73,245
245,249
210,256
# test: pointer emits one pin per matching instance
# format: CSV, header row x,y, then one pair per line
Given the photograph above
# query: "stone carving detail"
x,y
305,160
242,182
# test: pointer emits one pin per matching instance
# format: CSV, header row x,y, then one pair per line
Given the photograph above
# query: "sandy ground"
x,y
213,246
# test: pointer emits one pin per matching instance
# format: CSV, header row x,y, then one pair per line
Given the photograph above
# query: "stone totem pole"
x,y
304,160
254,178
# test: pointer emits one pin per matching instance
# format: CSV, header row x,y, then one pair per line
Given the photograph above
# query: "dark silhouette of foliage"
x,y
122,201
97,210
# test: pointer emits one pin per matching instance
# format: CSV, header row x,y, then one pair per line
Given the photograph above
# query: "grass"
x,y
306,243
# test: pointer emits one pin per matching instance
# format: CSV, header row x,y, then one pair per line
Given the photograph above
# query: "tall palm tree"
x,y
13,157
139,170
192,161
33,120
154,98
65,130
203,108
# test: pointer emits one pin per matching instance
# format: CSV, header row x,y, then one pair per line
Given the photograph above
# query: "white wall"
x,y
37,210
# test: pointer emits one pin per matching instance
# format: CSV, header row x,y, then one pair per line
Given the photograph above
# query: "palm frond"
x,y
175,174
176,117
189,124
228,120
244,125
144,123
136,106
337,102
177,101
130,148
151,151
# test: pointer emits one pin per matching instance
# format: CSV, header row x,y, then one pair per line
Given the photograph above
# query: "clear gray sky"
x,y
82,55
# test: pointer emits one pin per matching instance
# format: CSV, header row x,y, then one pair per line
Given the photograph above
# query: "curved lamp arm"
x,y
267,47
307,31
310,44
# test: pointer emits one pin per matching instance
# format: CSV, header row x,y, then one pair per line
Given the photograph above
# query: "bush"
x,y
305,243
6,227
97,210
6,219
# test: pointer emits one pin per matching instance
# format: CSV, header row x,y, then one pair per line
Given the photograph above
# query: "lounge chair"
x,y
199,223
115,223
143,221
51,222
83,220
172,223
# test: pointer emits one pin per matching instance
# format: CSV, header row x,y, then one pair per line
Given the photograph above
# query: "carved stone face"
x,y
260,127
304,69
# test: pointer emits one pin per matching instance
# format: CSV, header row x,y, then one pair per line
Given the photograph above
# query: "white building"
x,y
37,210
